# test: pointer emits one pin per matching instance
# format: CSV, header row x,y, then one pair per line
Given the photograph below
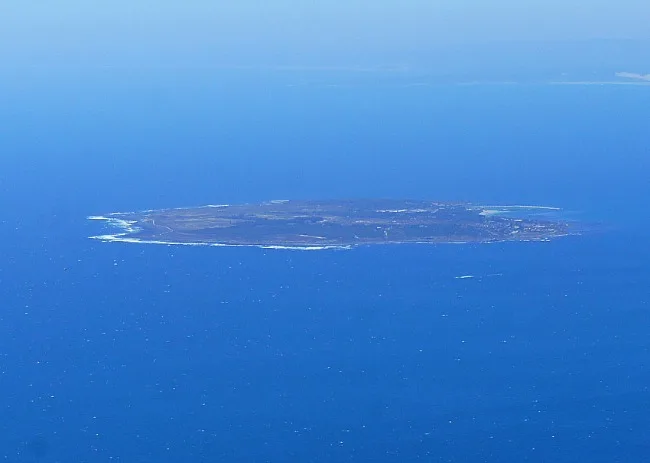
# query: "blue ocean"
x,y
118,352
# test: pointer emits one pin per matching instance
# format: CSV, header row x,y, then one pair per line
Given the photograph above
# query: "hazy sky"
x,y
291,31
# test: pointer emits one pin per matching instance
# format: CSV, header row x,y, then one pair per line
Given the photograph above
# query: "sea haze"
x,y
151,353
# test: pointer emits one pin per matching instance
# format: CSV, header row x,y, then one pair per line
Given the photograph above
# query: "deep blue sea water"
x,y
118,352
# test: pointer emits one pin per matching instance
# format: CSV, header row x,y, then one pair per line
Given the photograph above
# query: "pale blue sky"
x,y
291,31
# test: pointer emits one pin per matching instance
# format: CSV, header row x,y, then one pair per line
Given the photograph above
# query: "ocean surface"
x,y
114,352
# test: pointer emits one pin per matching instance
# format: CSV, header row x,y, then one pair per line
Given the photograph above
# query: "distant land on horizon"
x,y
591,60
588,61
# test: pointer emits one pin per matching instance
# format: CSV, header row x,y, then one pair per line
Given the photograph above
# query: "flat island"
x,y
334,224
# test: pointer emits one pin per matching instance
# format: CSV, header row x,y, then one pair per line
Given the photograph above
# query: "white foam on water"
x,y
126,225
124,238
301,248
313,236
517,206
405,210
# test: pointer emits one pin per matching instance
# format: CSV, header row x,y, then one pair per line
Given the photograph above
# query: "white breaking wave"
x,y
518,206
126,225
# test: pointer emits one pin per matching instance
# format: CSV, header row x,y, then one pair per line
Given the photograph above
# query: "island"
x,y
335,224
